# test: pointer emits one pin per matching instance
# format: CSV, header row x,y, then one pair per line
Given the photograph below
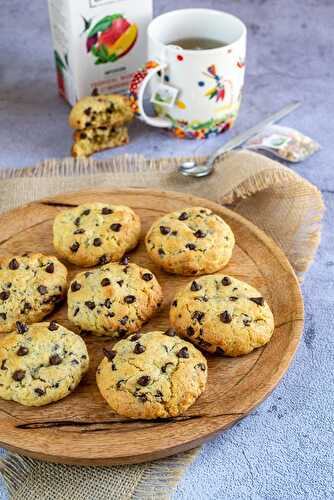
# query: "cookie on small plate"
x,y
95,233
192,241
113,300
41,363
154,375
110,110
30,287
222,314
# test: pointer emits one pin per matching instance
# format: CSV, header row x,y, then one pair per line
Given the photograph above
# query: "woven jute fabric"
x,y
287,207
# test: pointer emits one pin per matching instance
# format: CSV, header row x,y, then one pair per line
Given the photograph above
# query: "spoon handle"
x,y
244,136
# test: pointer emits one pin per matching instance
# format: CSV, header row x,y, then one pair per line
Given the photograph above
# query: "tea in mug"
x,y
198,43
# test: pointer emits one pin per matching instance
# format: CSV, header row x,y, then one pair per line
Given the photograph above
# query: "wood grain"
x,y
82,429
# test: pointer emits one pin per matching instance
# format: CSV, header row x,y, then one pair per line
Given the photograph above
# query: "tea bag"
x,y
284,142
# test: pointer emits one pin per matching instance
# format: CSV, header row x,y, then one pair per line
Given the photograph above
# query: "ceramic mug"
x,y
195,93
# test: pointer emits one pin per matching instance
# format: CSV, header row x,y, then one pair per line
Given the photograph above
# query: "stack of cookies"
x,y
152,375
99,123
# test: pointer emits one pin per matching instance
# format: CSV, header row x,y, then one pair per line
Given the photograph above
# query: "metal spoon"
x,y
192,169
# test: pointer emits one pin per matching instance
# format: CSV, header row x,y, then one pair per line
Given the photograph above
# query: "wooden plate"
x,y
82,429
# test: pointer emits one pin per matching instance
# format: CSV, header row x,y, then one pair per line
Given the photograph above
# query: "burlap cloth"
x,y
284,205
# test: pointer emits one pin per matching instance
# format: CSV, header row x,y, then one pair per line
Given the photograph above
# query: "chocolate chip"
x,y
122,333
42,289
13,265
183,216
39,392
220,350
198,315
88,273
3,316
120,282
164,368
170,332
74,362
88,111
110,315
4,295
75,286
109,354
107,303
53,326
201,366
26,307
55,359
124,320
247,321
144,380
83,135
124,260
129,299
74,247
21,327
233,299
191,246
116,227
139,348
190,331
90,304
226,281
225,317
200,234
161,251
106,211
79,231
97,242
77,221
119,383
174,303
103,260
174,233
147,276
105,282
18,375
195,286
76,310
258,300
135,337
22,351
142,397
3,364
86,212
164,230
183,353
50,268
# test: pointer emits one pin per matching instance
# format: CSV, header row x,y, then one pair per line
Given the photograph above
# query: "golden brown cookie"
x,y
95,233
41,363
113,300
154,375
93,140
110,110
222,314
191,241
30,287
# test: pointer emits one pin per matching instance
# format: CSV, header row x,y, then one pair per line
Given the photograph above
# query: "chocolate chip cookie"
x,y
113,300
154,375
223,315
41,363
30,287
95,233
104,110
192,241
93,140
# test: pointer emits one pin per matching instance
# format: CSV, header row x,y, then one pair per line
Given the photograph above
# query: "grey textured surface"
x,y
284,450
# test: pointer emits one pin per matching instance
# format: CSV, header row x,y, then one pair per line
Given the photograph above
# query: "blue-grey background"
x,y
284,450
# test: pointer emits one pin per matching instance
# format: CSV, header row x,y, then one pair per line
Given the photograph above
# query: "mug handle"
x,y
138,85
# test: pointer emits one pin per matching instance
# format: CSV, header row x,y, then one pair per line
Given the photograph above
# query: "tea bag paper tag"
x,y
164,95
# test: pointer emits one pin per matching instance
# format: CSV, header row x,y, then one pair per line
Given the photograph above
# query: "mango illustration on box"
x,y
111,38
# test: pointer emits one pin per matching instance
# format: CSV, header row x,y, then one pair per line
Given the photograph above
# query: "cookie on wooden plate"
x,y
223,315
153,375
41,363
30,287
191,241
95,233
113,300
